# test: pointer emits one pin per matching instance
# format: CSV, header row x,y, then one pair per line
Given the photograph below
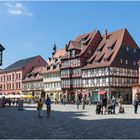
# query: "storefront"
x,y
125,93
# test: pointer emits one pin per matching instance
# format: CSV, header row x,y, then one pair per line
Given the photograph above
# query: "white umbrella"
x,y
12,96
18,96
7,96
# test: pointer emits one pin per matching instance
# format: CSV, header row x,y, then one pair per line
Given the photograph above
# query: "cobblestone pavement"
x,y
66,122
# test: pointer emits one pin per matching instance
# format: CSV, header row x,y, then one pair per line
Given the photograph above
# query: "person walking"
x,y
136,103
83,103
120,101
48,106
39,107
113,103
78,103
104,103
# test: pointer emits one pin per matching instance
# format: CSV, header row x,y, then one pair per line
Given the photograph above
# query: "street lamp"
x,y
1,50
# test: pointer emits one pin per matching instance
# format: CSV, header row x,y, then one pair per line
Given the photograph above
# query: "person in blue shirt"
x,y
48,106
136,103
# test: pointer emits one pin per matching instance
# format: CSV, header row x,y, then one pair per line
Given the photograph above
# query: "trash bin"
x,y
20,104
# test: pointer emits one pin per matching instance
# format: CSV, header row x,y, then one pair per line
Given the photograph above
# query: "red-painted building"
x,y
78,52
12,76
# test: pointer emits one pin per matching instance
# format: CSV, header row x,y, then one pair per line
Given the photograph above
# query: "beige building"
x,y
51,77
33,83
136,87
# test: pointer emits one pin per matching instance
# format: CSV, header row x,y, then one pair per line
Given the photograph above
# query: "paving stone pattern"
x,y
66,122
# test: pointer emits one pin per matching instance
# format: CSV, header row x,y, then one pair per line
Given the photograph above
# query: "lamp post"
x,y
1,51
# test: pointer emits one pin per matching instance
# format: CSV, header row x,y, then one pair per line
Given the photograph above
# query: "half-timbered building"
x,y
78,52
113,67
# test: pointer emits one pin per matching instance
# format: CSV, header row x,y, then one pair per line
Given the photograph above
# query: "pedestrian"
x,y
113,103
78,103
9,102
120,101
13,101
39,107
17,102
136,103
104,103
83,102
48,106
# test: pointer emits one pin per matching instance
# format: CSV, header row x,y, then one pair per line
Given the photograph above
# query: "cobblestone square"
x,y
66,122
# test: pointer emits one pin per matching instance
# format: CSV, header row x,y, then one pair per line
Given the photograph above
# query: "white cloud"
x,y
17,9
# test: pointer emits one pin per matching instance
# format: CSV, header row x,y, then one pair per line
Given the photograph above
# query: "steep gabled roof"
x,y
74,45
20,63
81,43
35,74
110,46
55,62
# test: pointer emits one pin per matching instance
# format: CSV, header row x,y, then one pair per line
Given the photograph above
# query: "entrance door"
x,y
94,97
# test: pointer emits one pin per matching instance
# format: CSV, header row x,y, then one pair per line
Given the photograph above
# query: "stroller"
x,y
99,109
109,109
121,109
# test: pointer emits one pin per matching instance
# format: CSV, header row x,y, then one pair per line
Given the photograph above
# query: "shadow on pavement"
x,y
16,124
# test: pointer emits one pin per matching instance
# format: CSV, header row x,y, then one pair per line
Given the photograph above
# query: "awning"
x,y
102,92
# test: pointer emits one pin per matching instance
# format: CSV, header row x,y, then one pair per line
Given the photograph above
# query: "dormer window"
x,y
100,48
127,49
106,59
84,38
97,61
99,58
111,47
73,53
108,56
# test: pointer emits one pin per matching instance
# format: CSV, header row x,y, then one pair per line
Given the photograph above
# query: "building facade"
x,y
78,52
108,66
51,77
113,67
33,83
11,77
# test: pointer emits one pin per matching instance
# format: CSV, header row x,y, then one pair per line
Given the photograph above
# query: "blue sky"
x,y
31,28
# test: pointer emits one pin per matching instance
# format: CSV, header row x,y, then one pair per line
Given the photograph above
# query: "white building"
x,y
51,77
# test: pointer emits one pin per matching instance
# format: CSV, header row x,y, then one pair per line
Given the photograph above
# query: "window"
x,y
73,53
134,50
97,61
127,49
134,63
126,61
121,61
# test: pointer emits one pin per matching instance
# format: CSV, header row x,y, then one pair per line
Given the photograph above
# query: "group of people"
x,y
81,100
40,103
104,106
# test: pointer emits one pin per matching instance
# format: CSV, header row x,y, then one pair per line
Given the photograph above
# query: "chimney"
x,y
106,35
139,70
